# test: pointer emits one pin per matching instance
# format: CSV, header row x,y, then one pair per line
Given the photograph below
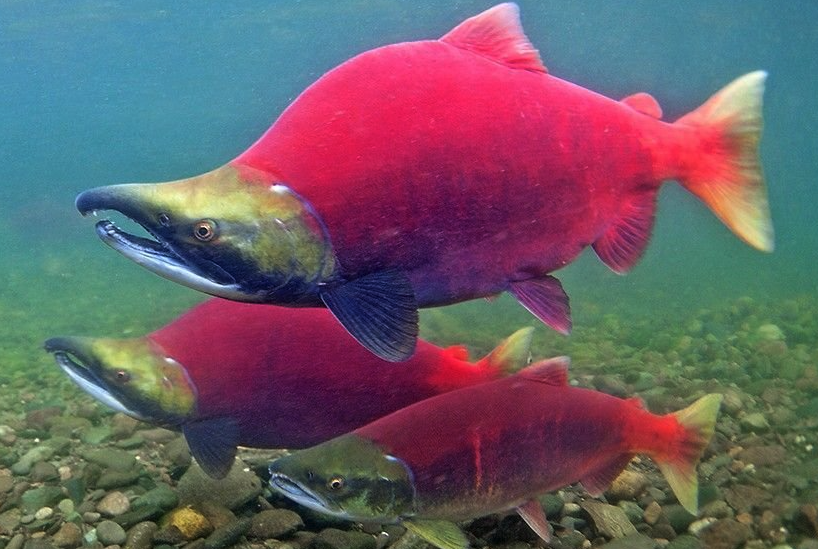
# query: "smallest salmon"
x,y
470,453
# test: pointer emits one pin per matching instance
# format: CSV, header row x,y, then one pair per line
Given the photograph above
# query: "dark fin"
x,y
727,175
534,516
498,35
553,371
679,469
598,481
512,354
624,241
645,103
380,311
213,443
545,299
440,533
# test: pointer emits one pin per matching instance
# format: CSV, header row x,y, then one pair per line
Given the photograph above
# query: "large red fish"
x,y
230,374
426,173
466,454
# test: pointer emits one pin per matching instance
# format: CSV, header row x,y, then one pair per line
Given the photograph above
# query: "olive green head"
x,y
348,477
132,376
234,232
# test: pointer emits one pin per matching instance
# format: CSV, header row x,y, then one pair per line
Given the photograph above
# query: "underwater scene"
x,y
538,274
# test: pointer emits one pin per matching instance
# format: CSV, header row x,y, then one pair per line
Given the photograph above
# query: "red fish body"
x,y
462,163
272,377
426,173
467,453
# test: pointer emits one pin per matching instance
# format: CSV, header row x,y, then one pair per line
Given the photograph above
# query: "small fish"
x,y
469,453
426,173
234,374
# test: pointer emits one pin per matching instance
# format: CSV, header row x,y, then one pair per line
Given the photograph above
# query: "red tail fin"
x,y
679,466
727,173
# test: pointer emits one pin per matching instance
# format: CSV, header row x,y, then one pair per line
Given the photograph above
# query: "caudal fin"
x,y
512,354
727,173
679,467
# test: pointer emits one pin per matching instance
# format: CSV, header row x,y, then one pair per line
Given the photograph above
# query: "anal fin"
x,y
380,311
625,239
213,444
440,533
533,515
545,299
599,481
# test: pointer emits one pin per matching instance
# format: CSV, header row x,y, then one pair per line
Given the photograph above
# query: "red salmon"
x,y
426,173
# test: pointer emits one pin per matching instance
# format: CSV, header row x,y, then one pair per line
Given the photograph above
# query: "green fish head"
x,y
348,477
133,376
234,232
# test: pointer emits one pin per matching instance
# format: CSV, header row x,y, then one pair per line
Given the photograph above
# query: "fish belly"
x,y
460,171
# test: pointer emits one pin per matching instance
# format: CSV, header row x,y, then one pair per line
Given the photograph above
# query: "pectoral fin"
x,y
380,311
213,443
545,299
534,516
440,533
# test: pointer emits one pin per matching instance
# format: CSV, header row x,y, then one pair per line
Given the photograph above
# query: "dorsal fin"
x,y
644,103
457,352
498,35
553,371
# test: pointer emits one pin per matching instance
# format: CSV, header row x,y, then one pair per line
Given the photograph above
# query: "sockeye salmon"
x,y
466,453
427,173
234,374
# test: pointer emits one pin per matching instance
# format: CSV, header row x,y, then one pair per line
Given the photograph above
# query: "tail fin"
x,y
727,175
512,354
698,421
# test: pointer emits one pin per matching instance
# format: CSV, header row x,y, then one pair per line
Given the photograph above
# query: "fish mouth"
x,y
298,492
73,358
155,253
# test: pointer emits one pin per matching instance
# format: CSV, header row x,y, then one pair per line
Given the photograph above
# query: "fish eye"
x,y
164,219
123,376
204,230
335,483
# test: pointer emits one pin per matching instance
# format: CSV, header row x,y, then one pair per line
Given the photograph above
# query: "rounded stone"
x,y
68,536
44,513
110,533
275,523
114,504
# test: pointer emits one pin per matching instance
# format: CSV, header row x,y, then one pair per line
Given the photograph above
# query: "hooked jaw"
x,y
232,233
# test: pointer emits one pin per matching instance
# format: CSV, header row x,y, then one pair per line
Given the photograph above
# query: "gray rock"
x,y
628,485
68,536
16,542
43,471
69,426
177,452
552,505
726,534
755,421
110,458
10,520
143,514
610,521
116,479
678,517
26,462
236,489
162,497
332,538
275,523
685,542
632,510
36,498
38,543
114,504
228,535
632,541
96,434
141,536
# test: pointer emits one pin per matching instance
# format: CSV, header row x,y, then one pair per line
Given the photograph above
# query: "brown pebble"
x,y
652,513
745,518
68,536
140,536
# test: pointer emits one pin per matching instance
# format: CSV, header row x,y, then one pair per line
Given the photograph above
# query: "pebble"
x,y
43,471
236,489
628,485
698,526
68,536
228,534
685,542
110,533
332,538
726,534
26,462
609,520
114,504
141,536
652,513
755,421
275,523
110,458
44,513
16,542
189,522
